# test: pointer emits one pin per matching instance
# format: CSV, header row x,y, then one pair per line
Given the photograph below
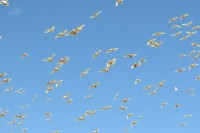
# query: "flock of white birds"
x,y
151,88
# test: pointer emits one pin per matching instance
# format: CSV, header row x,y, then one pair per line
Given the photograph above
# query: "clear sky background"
x,y
127,27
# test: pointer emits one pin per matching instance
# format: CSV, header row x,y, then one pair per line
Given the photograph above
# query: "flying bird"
x,y
4,2
142,60
75,31
111,62
163,104
193,65
158,33
112,50
96,14
187,115
118,2
48,89
184,38
96,131
183,16
182,55
153,92
133,123
9,89
50,30
56,69
130,55
177,33
49,59
85,72
137,81
175,26
56,131
96,54
191,33
61,34
95,85
106,107
51,82
67,96
58,83
125,100
197,78
24,55
20,91
172,20
81,118
116,96
177,105
123,108
88,96
148,87
161,83
129,115
187,24
151,41
135,65
63,60
2,74
7,80
175,88
196,27
183,124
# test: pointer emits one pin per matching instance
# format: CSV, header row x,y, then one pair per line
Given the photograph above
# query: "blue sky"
x,y
127,27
